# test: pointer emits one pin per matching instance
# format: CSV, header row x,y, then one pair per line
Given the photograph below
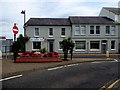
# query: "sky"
x,y
10,11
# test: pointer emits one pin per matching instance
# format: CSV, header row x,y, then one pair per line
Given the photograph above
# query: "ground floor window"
x,y
112,45
94,45
36,45
80,45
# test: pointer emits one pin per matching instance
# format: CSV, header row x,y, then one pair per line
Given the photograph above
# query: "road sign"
x,y
15,29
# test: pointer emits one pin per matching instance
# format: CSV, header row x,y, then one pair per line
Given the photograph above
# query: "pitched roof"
x,y
90,20
114,10
48,22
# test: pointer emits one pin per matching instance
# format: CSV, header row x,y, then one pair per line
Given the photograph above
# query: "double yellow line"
x,y
107,87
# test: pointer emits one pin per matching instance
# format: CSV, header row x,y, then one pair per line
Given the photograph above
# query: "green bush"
x,y
43,50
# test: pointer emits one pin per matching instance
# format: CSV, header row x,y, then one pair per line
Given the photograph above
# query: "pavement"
x,y
9,68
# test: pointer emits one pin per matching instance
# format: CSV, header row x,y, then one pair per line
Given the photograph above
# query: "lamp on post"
x,y
23,12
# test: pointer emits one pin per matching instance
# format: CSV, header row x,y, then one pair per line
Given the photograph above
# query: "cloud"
x,y
11,10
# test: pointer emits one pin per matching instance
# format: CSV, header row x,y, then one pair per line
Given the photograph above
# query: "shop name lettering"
x,y
36,39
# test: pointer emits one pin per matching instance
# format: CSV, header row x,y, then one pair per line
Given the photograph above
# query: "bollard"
x,y
107,54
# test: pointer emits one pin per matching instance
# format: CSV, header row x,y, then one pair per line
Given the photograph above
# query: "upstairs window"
x,y
107,30
97,29
91,29
113,30
63,31
50,31
77,30
36,32
83,30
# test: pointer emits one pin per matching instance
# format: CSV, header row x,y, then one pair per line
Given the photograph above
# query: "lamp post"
x,y
23,12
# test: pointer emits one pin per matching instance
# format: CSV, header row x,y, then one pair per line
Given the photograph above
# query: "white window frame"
x,y
32,46
114,45
106,30
35,32
61,32
80,49
83,29
93,30
49,32
96,30
77,28
113,29
94,49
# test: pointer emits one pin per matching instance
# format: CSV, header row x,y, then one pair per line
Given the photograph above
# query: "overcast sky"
x,y
11,11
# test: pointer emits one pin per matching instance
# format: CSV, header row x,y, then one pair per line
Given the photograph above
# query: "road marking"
x,y
96,62
10,77
116,60
55,68
50,69
113,84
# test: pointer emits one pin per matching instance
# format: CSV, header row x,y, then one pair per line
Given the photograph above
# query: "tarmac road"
x,y
81,75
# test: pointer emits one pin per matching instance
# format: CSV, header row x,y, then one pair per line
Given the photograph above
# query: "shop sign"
x,y
36,39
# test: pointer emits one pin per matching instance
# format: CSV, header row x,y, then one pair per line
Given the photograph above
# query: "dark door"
x,y
104,46
51,46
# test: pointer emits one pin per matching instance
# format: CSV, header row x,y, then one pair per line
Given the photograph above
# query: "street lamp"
x,y
23,12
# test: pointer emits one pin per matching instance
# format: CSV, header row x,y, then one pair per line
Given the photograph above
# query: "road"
x,y
81,75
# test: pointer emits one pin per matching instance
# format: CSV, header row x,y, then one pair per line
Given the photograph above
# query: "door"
x,y
104,46
51,46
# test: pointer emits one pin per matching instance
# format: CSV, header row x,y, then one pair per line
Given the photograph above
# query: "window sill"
x,y
80,50
50,36
63,36
113,49
94,50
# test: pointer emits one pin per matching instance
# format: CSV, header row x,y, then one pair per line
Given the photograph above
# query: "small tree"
x,y
71,48
67,45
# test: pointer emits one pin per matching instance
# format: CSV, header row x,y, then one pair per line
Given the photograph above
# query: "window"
x,y
80,45
113,30
94,45
83,30
112,45
77,30
36,32
51,31
97,29
63,31
91,29
36,45
107,30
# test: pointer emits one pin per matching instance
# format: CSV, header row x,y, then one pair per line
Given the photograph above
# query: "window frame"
x,y
49,32
92,28
35,32
63,35
83,29
77,29
80,49
97,30
113,30
95,45
114,45
33,45
106,30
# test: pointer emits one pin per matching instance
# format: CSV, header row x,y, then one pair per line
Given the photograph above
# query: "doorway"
x,y
50,45
104,46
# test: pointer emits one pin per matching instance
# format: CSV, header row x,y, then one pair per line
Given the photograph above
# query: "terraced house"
x,y
89,33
